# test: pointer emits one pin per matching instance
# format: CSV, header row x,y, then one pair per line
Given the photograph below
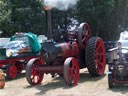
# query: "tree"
x,y
23,16
107,18
98,15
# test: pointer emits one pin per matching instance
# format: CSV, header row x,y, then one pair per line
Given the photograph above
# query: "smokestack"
x,y
60,4
49,21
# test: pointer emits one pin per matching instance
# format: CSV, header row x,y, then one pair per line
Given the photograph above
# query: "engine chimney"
x,y
49,21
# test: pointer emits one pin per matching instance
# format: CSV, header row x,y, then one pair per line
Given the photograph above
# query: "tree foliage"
x,y
107,18
22,16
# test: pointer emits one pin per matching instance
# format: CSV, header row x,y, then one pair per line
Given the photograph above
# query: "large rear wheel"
x,y
95,56
71,71
83,35
32,76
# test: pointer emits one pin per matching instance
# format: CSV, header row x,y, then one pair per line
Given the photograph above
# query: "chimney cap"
x,y
47,8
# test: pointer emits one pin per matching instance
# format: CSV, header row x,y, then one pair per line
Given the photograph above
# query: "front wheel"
x,y
32,76
71,71
110,82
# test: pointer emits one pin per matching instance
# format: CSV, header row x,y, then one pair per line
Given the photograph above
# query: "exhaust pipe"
x,y
49,21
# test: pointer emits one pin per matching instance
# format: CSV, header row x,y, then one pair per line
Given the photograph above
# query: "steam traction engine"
x,y
77,52
118,65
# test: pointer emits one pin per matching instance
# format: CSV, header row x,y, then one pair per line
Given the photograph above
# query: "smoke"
x,y
123,36
73,25
60,4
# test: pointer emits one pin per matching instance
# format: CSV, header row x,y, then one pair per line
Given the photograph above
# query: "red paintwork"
x,y
19,66
116,81
12,61
74,76
86,34
13,70
36,77
100,57
69,49
50,69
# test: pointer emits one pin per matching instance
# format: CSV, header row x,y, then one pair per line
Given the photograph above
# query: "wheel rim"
x,y
84,34
100,58
74,72
71,71
12,71
35,77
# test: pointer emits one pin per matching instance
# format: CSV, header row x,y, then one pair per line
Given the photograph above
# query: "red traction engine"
x,y
66,58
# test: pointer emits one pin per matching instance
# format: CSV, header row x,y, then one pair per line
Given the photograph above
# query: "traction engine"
x,y
78,51
118,64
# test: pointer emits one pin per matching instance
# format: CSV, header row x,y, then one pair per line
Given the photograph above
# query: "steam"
x,y
73,25
123,36
60,4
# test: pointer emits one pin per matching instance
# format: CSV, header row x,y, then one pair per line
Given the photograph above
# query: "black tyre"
x,y
110,82
95,56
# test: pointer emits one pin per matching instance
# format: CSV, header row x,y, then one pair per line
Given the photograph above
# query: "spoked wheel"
x,y
83,35
19,66
110,82
71,71
95,56
11,71
32,76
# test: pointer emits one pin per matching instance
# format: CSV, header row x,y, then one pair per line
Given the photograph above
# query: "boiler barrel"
x,y
51,51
